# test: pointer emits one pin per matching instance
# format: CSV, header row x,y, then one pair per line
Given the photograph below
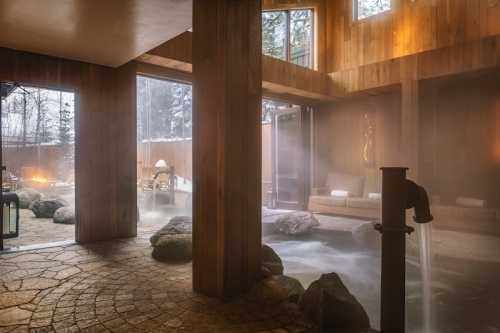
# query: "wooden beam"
x,y
459,59
226,146
161,72
279,77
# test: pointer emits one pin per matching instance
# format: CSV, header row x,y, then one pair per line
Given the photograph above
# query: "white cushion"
x,y
339,193
346,182
470,202
375,196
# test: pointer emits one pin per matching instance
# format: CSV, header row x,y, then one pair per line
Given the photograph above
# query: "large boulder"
x,y
65,215
46,208
176,225
328,302
173,248
276,289
271,262
27,196
296,223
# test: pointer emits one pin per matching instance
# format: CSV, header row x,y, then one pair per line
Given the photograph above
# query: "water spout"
x,y
418,199
424,232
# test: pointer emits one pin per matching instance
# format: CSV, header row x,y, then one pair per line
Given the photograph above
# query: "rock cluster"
x,y
271,262
173,242
65,215
329,303
176,247
176,225
296,223
276,289
27,196
45,208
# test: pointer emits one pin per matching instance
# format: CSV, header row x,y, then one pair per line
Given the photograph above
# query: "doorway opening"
x,y
38,155
164,152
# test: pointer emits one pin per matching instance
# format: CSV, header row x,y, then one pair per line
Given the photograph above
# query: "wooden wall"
x,y
458,136
339,130
176,153
105,152
410,27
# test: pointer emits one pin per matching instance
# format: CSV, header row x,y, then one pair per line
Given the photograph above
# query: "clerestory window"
x,y
289,35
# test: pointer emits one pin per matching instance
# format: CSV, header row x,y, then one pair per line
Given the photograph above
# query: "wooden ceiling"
x,y
104,32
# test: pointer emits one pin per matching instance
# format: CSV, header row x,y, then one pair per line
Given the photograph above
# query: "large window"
x,y
288,35
38,148
164,151
366,8
163,110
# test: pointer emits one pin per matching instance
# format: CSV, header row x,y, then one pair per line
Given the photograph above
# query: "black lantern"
x,y
10,218
9,226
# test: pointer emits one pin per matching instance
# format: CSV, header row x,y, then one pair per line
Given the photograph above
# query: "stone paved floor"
x,y
117,287
34,230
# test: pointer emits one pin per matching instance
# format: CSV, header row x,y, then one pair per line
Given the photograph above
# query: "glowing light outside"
x,y
39,179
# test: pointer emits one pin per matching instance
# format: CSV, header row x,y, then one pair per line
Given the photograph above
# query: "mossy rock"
x,y
177,247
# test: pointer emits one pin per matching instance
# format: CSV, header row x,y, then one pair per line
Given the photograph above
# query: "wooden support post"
x,y
410,117
106,154
226,145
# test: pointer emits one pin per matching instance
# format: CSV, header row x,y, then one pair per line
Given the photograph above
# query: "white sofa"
x,y
357,202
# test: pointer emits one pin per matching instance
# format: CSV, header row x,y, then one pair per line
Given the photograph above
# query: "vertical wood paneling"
x,y
409,28
105,152
458,135
339,135
457,140
226,146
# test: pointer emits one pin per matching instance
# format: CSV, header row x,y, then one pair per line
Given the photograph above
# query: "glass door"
x,y
287,159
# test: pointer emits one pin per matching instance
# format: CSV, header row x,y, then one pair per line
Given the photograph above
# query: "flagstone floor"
x,y
117,287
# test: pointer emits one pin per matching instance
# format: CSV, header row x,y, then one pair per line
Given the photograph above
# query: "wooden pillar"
x,y
410,117
106,154
226,145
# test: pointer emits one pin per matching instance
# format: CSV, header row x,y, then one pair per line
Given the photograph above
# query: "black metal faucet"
x,y
417,198
398,195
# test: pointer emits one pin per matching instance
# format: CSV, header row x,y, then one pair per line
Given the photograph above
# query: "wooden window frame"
x,y
313,61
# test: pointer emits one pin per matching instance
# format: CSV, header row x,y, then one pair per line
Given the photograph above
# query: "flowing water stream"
x,y
424,231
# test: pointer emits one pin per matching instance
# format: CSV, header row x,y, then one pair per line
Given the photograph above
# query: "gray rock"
x,y
367,237
271,262
276,289
296,223
173,248
27,196
65,215
328,302
46,208
176,225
